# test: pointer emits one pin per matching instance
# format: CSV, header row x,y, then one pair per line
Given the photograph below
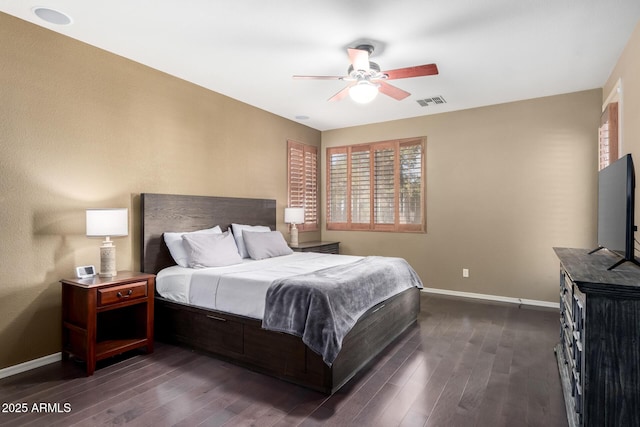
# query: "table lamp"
x,y
294,216
107,223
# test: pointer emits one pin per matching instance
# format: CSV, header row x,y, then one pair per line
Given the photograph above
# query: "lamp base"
x,y
108,259
294,235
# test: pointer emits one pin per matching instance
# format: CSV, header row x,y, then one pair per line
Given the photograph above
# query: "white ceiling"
x,y
487,51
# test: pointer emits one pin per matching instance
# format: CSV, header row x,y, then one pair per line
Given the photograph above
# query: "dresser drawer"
x,y
116,294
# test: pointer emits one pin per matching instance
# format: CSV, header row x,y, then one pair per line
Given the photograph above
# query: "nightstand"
x,y
323,247
103,317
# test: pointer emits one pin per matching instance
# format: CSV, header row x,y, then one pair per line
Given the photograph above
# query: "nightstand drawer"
x,y
106,316
122,293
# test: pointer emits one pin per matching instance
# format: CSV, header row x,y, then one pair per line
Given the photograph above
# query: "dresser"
x,y
599,348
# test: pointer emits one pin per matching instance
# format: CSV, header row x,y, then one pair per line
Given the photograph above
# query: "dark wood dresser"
x,y
599,350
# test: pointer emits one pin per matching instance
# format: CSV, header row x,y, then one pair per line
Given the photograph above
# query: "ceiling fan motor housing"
x,y
369,48
373,69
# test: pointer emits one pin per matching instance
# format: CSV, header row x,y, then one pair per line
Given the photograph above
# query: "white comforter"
x,y
239,289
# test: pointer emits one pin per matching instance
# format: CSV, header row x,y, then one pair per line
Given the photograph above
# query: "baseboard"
x,y
30,364
493,298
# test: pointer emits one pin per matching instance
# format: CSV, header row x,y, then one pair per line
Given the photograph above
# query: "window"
x,y
608,136
377,186
302,175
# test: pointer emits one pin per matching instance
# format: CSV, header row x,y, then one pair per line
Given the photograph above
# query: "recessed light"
x,y
52,16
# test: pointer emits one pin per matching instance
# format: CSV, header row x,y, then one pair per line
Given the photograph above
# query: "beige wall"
x,y
505,184
80,128
626,75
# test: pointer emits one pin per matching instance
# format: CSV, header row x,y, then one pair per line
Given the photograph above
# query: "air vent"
x,y
431,101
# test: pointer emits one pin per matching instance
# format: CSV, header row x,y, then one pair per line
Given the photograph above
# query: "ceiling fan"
x,y
365,78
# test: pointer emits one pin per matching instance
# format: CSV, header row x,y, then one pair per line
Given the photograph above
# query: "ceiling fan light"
x,y
363,92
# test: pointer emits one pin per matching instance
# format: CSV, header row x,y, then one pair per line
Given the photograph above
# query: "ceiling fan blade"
x,y
359,59
392,91
320,77
417,71
342,94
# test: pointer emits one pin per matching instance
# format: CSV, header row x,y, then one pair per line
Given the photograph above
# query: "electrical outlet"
x,y
465,272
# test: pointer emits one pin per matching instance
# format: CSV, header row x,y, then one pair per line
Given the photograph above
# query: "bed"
x,y
241,338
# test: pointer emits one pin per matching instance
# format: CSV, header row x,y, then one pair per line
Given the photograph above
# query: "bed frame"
x,y
241,339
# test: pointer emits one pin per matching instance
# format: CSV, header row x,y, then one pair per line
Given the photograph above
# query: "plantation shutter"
x,y
337,184
311,188
377,186
384,193
361,186
411,189
303,182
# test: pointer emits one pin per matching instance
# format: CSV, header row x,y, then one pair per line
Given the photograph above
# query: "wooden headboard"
x,y
168,212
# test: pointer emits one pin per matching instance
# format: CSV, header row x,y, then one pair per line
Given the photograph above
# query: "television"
x,y
616,194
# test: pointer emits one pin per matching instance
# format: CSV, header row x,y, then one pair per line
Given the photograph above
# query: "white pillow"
x,y
177,248
237,234
265,245
211,250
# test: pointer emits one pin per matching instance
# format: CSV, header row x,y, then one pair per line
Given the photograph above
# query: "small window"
x,y
377,186
302,176
608,136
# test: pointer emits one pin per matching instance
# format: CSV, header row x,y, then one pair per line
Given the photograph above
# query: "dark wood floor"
x,y
465,363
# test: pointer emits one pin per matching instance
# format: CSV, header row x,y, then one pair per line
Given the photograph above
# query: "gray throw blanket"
x,y
322,307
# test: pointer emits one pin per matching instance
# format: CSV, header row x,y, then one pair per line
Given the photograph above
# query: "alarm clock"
x,y
85,271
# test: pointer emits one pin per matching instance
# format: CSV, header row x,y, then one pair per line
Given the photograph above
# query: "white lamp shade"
x,y
107,222
363,92
294,215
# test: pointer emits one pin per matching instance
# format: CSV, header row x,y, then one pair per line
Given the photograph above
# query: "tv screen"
x,y
616,188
